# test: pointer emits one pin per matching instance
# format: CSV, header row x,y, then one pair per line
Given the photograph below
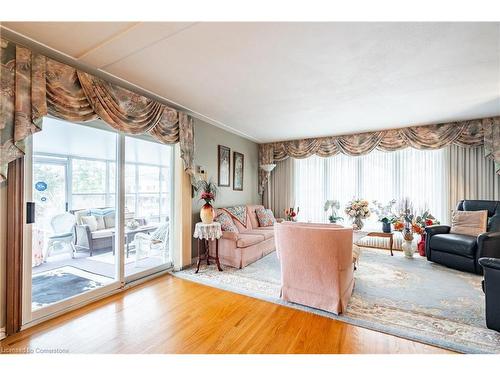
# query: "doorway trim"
x,y
14,256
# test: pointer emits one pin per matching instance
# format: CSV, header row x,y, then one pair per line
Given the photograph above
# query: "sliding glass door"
x,y
148,195
101,217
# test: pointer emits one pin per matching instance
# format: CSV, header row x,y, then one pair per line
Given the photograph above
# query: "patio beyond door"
x,y
102,214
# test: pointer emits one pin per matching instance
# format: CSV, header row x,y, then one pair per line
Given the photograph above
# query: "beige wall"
x,y
3,234
207,137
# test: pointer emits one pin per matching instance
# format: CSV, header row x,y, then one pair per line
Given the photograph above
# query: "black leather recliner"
x,y
491,287
460,251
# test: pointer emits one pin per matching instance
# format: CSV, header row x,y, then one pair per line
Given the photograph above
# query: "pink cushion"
x,y
232,236
266,229
265,217
266,233
245,240
225,221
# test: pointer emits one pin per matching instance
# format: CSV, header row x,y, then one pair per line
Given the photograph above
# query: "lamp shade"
x,y
268,167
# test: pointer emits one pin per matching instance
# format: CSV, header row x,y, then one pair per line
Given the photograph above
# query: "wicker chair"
x,y
155,243
63,234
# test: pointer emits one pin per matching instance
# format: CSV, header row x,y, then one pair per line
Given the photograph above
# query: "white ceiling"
x,y
274,81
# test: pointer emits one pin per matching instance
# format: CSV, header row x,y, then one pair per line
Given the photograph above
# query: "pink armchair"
x,y
316,265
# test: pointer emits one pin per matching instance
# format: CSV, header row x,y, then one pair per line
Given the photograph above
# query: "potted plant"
x,y
333,205
385,214
208,193
357,210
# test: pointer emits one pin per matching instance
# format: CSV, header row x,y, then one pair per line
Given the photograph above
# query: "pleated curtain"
x,y
469,175
282,176
32,86
433,179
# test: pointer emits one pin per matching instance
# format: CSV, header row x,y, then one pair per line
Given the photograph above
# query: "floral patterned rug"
x,y
409,298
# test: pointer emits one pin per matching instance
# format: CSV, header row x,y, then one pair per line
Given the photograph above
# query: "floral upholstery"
x,y
265,217
225,221
239,213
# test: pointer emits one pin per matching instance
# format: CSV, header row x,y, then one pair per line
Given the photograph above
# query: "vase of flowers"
x,y
291,214
405,223
357,210
385,214
208,192
333,205
422,221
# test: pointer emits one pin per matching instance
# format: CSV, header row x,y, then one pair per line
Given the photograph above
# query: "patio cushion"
x,y
80,214
100,222
109,220
91,222
61,235
245,240
103,233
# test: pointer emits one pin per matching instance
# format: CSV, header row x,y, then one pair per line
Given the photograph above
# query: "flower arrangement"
x,y
291,214
208,190
384,213
358,209
424,220
404,220
208,193
132,224
409,224
333,205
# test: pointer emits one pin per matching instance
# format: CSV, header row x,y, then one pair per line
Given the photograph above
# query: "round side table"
x,y
206,233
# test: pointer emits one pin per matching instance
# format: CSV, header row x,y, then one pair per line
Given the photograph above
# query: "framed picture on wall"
x,y
224,165
238,164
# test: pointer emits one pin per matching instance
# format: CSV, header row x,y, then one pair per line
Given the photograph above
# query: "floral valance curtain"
x,y
32,86
473,133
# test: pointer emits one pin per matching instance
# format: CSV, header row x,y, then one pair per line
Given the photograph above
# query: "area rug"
x,y
408,298
61,283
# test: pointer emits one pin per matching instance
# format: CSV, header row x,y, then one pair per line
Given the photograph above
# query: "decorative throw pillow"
x,y
471,223
91,222
225,221
100,222
109,220
265,217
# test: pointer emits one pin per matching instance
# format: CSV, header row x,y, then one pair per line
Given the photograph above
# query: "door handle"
x,y
30,212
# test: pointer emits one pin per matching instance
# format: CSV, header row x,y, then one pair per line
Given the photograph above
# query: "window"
x,y
378,176
147,180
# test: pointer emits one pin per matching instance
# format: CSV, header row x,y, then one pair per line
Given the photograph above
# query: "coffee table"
x,y
129,234
359,234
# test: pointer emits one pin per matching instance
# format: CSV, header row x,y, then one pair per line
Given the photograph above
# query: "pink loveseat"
x,y
251,243
316,264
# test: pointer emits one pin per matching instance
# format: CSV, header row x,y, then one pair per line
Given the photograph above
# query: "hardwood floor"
x,y
170,315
